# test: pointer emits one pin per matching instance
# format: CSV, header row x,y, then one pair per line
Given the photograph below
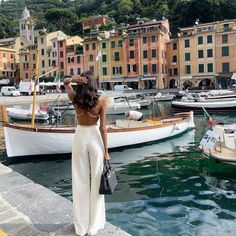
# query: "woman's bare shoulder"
x,y
103,100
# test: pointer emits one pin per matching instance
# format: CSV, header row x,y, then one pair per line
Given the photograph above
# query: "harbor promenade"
x,y
29,209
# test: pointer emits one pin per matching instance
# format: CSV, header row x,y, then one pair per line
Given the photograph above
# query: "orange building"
x,y
146,48
95,22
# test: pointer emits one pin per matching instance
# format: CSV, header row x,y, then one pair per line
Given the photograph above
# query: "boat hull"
x,y
22,141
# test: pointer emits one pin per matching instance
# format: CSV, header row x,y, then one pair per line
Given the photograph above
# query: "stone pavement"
x,y
29,209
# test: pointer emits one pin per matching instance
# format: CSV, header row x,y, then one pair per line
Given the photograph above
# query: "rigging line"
x,y
158,107
128,103
62,114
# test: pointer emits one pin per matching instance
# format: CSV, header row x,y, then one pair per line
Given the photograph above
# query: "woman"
x,y
88,153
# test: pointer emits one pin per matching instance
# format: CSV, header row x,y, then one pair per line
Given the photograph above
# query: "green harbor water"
x,y
165,188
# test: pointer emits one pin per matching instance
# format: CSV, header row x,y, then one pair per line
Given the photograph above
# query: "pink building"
x,y
7,63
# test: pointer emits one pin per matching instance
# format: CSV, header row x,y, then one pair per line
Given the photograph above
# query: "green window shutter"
x,y
201,68
225,51
209,38
200,40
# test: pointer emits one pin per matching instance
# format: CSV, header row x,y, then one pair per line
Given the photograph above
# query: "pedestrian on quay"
x,y
89,150
134,115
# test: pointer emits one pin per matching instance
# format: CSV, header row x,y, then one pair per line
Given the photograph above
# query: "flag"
x,y
98,57
57,80
208,118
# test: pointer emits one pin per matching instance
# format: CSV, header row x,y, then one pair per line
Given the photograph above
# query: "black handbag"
x,y
108,179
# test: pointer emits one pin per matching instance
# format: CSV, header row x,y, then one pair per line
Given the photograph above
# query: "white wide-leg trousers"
x,y
87,167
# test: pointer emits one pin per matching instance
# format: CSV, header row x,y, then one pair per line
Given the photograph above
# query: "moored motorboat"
x,y
27,141
220,143
216,105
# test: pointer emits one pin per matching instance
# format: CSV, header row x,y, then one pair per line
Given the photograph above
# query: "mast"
x,y
34,95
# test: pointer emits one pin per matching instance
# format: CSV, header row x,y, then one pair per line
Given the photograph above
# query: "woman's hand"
x,y
107,156
80,80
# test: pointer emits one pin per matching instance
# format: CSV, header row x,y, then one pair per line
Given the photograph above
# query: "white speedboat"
x,y
114,108
26,115
27,141
161,97
220,143
216,105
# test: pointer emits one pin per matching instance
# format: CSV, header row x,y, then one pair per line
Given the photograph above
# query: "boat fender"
x,y
176,127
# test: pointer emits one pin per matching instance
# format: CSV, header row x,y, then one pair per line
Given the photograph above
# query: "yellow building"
x,y
197,56
225,52
173,63
207,54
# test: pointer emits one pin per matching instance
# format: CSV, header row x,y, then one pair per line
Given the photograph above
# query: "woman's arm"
x,y
103,129
69,89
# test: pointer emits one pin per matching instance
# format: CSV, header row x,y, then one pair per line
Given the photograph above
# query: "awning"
x,y
135,79
149,78
233,77
111,80
186,78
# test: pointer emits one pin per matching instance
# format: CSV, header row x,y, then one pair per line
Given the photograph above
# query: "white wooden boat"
x,y
114,108
27,141
216,105
161,97
23,114
224,148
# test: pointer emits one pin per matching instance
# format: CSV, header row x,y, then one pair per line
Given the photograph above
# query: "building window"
x,y
224,38
42,40
153,39
104,70
200,40
187,69
174,58
94,46
225,51
43,63
42,52
78,59
145,69
12,66
174,46
132,68
201,68
225,67
61,54
226,27
87,47
62,65
49,62
78,71
104,58
26,58
200,54
61,44
186,43
175,71
54,44
210,67
131,42
154,68
187,56
113,44
91,69
104,45
144,54
71,71
34,57
12,56
170,72
120,44
91,57
154,53
117,56
209,52
117,70
131,54
144,40
209,38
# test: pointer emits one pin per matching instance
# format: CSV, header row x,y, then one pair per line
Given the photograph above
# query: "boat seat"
x,y
130,123
219,131
229,131
230,141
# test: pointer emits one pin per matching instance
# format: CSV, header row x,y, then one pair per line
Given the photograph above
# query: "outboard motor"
x,y
53,114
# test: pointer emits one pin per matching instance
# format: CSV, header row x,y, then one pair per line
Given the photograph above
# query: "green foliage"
x,y
67,15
